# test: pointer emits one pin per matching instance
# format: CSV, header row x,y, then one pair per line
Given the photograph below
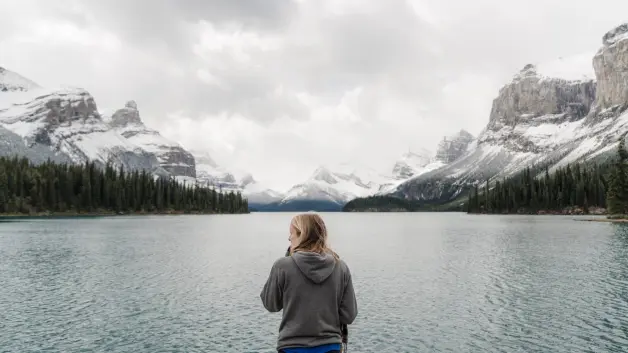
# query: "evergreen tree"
x,y
617,191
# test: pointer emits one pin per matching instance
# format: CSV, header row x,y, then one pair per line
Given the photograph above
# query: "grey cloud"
x,y
389,52
383,47
146,22
356,49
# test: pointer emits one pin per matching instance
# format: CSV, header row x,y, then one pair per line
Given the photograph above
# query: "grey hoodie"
x,y
316,294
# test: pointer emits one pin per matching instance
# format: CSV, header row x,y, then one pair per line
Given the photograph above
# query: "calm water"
x,y
425,283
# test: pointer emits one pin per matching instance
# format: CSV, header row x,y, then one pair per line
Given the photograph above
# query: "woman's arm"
x,y
272,293
348,305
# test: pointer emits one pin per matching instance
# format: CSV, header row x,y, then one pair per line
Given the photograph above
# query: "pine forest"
x,y
26,188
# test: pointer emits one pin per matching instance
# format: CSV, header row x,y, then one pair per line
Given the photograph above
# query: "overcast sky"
x,y
278,87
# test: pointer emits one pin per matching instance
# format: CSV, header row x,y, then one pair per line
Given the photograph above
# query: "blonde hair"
x,y
311,233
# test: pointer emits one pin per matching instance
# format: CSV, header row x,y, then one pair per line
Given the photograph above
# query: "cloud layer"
x,y
278,87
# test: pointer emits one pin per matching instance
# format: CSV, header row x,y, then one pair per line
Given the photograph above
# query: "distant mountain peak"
x,y
131,105
12,82
528,70
322,173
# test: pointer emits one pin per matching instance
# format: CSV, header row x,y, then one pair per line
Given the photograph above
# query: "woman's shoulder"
x,y
282,262
343,265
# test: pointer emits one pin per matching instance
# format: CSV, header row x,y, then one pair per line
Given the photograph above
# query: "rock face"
x,y
533,100
531,94
611,68
539,120
171,156
453,147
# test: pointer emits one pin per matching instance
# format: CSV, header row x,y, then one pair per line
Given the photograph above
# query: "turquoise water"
x,y
425,283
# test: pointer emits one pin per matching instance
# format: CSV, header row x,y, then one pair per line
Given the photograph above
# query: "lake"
x,y
425,282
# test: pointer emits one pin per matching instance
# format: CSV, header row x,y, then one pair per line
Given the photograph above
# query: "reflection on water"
x,y
425,282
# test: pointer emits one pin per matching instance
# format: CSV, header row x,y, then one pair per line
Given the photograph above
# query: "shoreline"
x,y
62,215
605,220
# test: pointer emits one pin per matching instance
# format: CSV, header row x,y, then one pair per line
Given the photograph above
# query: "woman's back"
x,y
316,294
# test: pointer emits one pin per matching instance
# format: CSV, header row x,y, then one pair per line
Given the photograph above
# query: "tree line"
x,y
530,191
26,188
378,204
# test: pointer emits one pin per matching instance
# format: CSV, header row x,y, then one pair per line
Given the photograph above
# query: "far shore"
x,y
60,215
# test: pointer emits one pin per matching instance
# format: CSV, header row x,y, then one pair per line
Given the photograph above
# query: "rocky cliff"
x,y
531,94
171,156
611,69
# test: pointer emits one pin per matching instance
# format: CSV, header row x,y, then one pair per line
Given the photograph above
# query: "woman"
x,y
314,289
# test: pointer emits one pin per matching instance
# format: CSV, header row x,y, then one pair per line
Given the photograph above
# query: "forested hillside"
x,y
568,187
26,188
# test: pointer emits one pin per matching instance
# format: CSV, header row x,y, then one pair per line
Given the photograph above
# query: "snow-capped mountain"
x,y
538,119
64,125
330,187
171,156
208,172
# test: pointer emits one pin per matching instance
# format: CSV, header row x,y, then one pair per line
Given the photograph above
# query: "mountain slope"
x,y
537,119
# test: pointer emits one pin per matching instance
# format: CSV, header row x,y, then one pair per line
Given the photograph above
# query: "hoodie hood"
x,y
316,267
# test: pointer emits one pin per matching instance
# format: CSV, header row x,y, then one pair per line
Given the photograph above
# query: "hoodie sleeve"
x,y
348,305
272,293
